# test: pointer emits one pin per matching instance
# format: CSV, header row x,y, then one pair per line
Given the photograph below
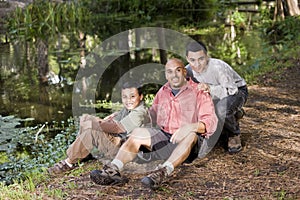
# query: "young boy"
x,y
109,133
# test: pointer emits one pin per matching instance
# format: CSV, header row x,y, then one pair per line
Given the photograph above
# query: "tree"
x,y
285,8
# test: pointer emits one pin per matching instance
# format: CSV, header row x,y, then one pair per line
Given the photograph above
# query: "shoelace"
x,y
158,174
110,170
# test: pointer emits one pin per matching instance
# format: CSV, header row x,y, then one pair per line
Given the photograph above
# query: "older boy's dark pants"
x,y
233,104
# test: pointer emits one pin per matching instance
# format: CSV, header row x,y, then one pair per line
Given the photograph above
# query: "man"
x,y
184,116
225,85
109,133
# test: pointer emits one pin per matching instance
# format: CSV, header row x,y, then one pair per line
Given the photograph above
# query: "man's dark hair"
x,y
132,84
195,46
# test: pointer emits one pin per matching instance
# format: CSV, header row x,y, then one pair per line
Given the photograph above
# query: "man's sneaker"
x,y
239,114
234,144
109,175
154,179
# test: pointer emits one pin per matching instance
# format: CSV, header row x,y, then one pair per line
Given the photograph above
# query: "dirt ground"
x,y
268,167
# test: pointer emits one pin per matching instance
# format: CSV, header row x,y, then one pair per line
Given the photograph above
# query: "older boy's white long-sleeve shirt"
x,y
221,78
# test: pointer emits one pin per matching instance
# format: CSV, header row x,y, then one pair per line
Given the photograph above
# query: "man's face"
x,y
197,60
131,98
175,74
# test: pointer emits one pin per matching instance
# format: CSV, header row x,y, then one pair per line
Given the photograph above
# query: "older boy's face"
x,y
131,98
197,60
175,74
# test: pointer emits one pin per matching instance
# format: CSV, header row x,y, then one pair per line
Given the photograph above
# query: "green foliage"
x,y
10,132
104,104
43,19
239,18
30,151
154,11
285,58
148,98
286,32
278,51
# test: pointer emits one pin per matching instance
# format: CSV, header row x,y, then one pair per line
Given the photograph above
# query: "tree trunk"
x,y
278,13
293,9
82,63
162,46
43,69
137,52
42,60
286,8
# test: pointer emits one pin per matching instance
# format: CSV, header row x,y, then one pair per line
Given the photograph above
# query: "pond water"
x,y
24,95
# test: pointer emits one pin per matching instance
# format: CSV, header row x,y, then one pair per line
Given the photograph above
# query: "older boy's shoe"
x,y
109,175
154,179
234,144
239,114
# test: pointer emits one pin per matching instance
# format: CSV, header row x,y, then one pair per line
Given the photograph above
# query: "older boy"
x,y
229,91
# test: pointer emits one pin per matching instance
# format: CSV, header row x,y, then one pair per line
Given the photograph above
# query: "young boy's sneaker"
x,y
155,179
109,175
59,168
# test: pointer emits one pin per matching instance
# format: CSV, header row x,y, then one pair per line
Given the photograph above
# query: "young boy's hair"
x,y
195,46
132,84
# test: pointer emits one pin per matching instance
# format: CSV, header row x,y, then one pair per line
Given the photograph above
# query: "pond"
x,y
21,93
44,65
25,96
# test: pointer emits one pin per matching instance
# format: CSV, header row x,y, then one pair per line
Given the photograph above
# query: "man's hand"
x,y
204,87
182,132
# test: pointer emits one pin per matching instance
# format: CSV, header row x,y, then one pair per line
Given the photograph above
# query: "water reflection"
x,y
23,95
46,94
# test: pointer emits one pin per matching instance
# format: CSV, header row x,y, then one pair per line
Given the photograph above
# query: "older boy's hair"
x,y
195,46
132,84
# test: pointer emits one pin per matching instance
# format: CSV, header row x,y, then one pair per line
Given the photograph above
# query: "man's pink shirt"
x,y
190,105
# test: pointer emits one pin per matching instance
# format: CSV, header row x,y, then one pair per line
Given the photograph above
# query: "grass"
x,y
17,191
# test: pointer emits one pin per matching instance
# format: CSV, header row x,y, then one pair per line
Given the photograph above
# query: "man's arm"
x,y
198,127
206,113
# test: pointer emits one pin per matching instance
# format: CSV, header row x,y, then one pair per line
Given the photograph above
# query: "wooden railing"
x,y
251,5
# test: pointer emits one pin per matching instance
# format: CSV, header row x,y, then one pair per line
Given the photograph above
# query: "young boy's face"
x,y
131,98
